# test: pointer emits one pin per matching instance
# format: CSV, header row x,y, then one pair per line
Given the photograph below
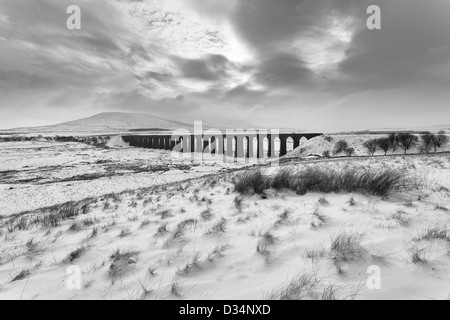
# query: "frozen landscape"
x,y
192,150
138,225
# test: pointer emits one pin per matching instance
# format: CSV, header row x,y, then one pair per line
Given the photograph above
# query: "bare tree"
x,y
440,140
371,146
384,144
393,138
407,141
427,140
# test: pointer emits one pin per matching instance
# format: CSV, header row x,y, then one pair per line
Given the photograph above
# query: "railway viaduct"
x,y
220,144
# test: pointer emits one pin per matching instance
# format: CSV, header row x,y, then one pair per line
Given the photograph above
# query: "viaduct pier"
x,y
231,145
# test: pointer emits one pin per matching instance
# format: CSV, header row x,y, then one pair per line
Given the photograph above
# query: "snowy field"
x,y
40,174
139,226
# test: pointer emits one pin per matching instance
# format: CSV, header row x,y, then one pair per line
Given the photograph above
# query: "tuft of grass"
x,y
192,266
63,212
162,229
206,214
122,262
164,214
307,286
350,180
219,227
441,208
437,232
401,218
218,252
284,179
283,217
351,202
180,230
323,201
409,204
250,182
321,219
238,203
346,247
33,247
315,254
22,275
298,288
418,255
76,254
266,244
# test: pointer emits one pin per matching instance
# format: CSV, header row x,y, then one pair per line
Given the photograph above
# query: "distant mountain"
x,y
436,128
111,122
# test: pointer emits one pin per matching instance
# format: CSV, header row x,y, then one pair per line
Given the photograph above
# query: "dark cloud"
x,y
411,46
307,62
208,68
283,69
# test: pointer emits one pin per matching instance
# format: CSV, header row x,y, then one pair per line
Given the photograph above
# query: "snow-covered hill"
x,y
321,144
114,122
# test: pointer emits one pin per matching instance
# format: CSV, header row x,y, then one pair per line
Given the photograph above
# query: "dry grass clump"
x,y
350,180
180,230
307,286
51,217
437,232
265,245
250,182
315,254
22,275
192,266
346,247
76,254
122,262
164,214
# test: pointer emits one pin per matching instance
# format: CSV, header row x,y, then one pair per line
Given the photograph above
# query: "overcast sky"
x,y
310,64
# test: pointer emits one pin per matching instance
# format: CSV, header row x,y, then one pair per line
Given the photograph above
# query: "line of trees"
x,y
407,141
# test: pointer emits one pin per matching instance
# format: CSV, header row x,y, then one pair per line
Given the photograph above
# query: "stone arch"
x,y
290,144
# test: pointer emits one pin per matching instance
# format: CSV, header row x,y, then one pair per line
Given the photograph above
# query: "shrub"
x,y
350,152
340,146
327,154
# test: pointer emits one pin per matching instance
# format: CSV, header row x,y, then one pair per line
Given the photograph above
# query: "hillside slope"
x,y
318,145
110,122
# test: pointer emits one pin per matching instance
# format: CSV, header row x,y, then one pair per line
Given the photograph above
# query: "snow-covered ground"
x,y
318,145
40,174
199,239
